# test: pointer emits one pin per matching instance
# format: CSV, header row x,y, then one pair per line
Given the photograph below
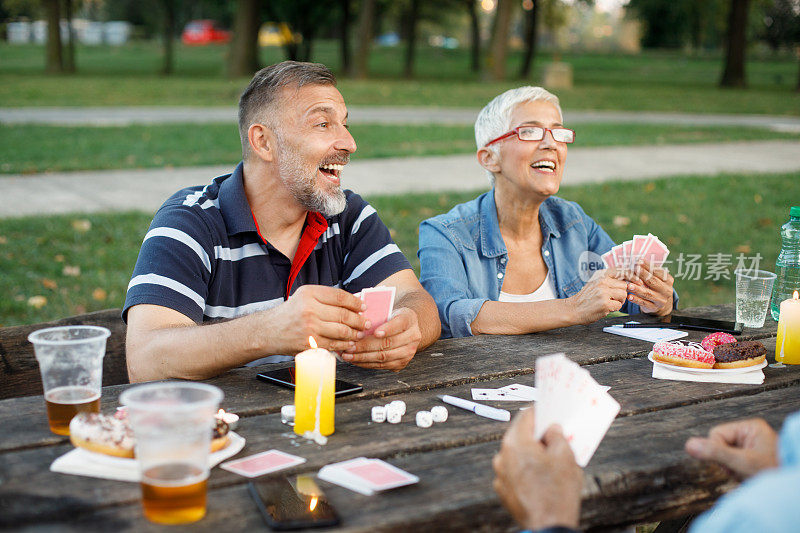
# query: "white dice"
x,y
424,419
393,414
379,413
287,415
400,405
439,413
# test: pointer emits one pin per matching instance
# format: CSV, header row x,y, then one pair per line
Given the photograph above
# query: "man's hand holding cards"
x,y
570,397
393,335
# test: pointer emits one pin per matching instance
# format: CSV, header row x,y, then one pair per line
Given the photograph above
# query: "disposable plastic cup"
x,y
753,291
71,363
172,423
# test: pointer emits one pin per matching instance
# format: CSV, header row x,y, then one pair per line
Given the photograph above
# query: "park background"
x,y
732,57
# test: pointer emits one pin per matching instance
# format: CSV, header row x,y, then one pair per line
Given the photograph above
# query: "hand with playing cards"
x,y
392,346
328,314
651,289
746,446
539,482
602,295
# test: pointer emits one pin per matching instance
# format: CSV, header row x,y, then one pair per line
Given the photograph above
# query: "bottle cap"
x,y
794,211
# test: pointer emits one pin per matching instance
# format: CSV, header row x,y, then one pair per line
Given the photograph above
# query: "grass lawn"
x,y
64,265
33,148
656,81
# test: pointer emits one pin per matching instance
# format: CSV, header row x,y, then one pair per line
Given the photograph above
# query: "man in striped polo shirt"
x,y
258,260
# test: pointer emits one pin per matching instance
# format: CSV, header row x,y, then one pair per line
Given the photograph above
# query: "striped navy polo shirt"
x,y
204,257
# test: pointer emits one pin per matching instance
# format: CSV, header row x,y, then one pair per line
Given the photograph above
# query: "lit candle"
x,y
315,374
787,349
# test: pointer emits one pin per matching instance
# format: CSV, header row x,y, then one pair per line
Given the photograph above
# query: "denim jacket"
x,y
463,256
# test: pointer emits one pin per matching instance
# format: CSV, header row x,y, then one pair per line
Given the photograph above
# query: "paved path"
x,y
147,189
120,116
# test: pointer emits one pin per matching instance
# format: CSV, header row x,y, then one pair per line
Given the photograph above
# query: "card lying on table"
x,y
366,476
262,463
380,303
570,397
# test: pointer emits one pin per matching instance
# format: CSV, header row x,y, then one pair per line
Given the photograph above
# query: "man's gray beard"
x,y
301,183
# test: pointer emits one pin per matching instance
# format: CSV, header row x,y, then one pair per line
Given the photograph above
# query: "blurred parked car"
x,y
204,32
277,34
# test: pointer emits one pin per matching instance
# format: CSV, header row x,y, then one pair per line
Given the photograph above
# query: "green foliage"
x,y
81,263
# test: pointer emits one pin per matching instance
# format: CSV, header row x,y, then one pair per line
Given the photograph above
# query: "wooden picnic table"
x,y
640,473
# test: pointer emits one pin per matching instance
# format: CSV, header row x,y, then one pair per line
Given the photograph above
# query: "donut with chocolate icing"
x,y
739,354
676,353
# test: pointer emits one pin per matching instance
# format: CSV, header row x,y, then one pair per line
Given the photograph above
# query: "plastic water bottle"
x,y
787,267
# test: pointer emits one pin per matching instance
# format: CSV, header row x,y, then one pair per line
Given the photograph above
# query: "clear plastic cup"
x,y
753,291
71,362
172,423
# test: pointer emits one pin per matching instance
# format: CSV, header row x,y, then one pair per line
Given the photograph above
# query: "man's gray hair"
x,y
256,105
495,119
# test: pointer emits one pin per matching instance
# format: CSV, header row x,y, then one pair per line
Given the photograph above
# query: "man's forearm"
x,y
196,351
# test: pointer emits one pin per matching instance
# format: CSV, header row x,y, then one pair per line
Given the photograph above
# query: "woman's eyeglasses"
x,y
537,133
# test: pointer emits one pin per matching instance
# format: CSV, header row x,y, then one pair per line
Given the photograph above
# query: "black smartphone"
x,y
285,378
703,324
295,502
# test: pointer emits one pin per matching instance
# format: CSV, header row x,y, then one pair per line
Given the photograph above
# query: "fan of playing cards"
x,y
645,247
570,397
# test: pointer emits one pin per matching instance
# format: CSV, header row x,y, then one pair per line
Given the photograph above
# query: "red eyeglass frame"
x,y
515,131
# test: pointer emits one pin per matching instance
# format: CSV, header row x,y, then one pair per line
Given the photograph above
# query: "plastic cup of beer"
x,y
172,422
71,362
753,291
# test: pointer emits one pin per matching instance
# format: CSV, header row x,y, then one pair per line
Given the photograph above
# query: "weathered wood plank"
x,y
640,472
19,371
630,380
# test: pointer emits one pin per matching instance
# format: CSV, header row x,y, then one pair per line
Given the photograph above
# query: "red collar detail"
x,y
315,226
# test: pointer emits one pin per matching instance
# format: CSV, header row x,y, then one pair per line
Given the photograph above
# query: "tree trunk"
x,y
168,37
798,74
475,45
365,22
412,16
69,57
499,49
530,40
243,59
55,61
344,38
736,44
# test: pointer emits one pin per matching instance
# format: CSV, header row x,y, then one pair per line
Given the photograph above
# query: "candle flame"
x,y
795,295
312,342
313,504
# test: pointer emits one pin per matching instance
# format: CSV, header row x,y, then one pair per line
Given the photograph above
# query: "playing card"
x,y
380,302
262,463
637,247
366,476
626,254
616,252
523,392
608,259
379,475
570,397
492,394
654,252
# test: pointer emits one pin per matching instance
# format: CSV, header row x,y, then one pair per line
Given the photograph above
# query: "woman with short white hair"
x,y
519,259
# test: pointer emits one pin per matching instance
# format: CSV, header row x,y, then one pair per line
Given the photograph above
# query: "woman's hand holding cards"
x,y
651,289
604,294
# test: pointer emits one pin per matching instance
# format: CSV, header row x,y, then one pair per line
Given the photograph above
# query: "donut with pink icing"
x,y
715,339
683,354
